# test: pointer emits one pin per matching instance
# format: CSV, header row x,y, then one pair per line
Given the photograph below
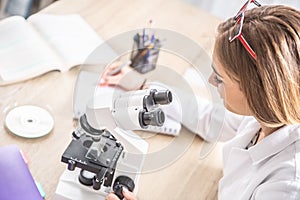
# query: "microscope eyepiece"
x,y
162,97
154,117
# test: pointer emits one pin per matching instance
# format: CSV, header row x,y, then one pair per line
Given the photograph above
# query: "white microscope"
x,y
105,154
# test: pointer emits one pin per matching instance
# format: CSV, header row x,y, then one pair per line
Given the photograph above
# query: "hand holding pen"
x,y
125,77
119,68
114,73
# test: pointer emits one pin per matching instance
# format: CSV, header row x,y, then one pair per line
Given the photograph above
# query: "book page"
x,y
69,35
23,53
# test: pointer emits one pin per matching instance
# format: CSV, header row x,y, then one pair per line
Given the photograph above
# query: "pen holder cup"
x,y
144,54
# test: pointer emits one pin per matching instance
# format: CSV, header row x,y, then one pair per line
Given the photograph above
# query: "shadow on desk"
x,y
188,177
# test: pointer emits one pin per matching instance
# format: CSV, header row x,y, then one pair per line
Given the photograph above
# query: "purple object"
x,y
16,182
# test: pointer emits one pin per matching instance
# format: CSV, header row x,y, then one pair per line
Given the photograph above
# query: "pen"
x,y
146,33
140,55
118,69
150,23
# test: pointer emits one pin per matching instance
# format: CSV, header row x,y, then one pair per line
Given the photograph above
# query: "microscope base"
x,y
69,188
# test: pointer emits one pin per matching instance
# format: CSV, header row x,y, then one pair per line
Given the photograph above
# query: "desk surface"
x,y
187,177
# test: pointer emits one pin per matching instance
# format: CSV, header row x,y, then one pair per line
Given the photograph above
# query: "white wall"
x,y
228,8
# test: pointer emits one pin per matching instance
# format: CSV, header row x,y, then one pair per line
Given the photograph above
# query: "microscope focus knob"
x,y
120,182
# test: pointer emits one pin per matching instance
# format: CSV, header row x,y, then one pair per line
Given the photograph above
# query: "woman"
x,y
256,63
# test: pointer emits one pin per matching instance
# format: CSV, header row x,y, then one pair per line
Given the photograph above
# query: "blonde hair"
x,y
271,82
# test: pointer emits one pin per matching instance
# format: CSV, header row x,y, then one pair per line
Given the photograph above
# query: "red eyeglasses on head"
x,y
239,20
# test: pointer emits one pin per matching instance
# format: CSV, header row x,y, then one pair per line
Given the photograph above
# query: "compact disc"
x,y
29,121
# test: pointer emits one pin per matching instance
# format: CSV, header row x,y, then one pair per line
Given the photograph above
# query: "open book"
x,y
42,43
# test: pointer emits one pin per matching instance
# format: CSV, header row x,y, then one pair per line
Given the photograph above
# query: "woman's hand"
x,y
127,194
126,78
113,78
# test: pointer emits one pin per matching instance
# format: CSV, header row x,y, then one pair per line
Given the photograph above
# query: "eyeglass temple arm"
x,y
247,46
242,10
256,3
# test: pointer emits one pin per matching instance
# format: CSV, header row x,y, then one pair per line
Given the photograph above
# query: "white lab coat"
x,y
269,170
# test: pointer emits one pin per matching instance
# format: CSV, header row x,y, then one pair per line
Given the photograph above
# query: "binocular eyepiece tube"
x,y
162,97
154,117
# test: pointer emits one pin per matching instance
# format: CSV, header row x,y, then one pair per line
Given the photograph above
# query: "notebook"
x,y
16,181
87,88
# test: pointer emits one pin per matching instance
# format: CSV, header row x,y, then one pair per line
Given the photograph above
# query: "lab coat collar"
x,y
274,143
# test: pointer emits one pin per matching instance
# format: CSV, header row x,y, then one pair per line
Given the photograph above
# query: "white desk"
x,y
188,177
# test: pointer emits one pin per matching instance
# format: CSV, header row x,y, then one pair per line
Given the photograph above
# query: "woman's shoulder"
x,y
280,153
